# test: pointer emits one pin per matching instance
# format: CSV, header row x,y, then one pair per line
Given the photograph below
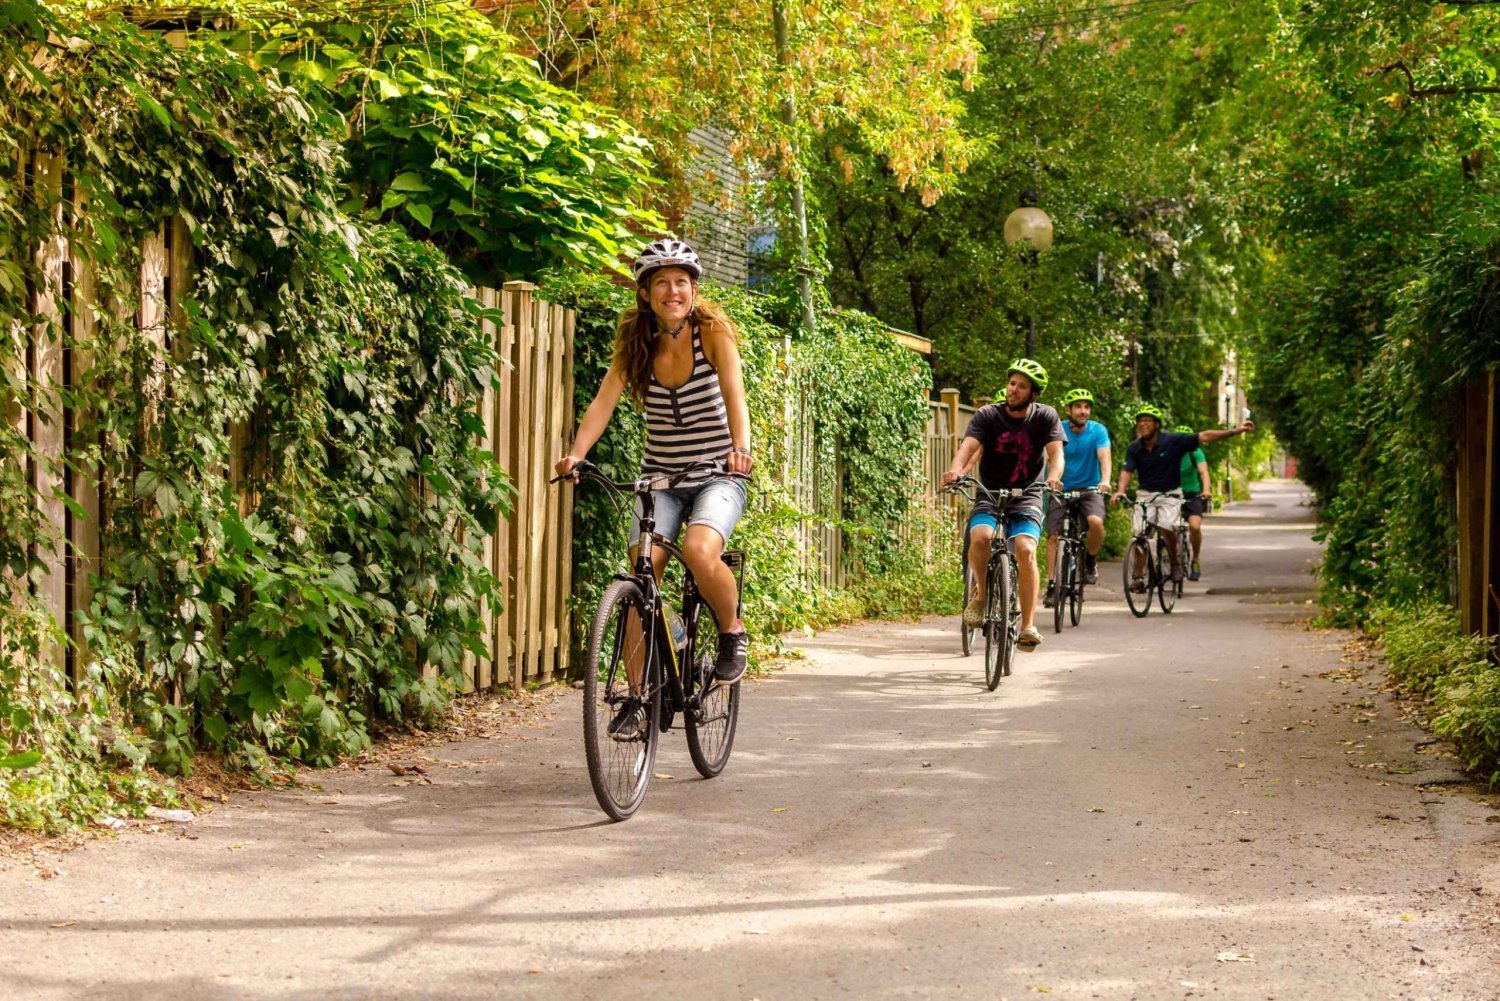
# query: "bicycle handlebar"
x,y
1068,495
963,483
645,484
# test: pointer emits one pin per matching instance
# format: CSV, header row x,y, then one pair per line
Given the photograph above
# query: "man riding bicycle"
x,y
1086,451
1017,442
1158,454
1195,500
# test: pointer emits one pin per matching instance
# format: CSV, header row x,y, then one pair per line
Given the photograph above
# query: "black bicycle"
x,y
644,666
1002,606
1148,566
1071,553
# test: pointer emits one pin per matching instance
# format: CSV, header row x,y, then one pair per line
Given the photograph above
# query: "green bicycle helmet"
x,y
1072,396
1183,429
1031,370
1147,410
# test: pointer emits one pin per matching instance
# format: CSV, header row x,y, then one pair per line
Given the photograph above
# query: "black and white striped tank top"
x,y
686,424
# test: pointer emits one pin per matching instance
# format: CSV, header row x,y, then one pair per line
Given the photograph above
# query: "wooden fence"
x,y
527,418
1478,504
529,423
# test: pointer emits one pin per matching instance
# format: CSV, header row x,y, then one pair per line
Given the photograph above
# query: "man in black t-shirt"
x,y
1157,456
1018,442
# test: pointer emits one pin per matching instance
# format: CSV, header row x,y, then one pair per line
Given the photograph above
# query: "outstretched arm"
x,y
1221,433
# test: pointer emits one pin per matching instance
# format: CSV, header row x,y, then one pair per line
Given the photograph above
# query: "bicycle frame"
x,y
681,687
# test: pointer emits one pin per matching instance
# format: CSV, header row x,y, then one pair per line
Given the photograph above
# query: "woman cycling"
x,y
676,355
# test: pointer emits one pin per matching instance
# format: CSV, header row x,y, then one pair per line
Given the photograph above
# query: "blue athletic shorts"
x,y
1018,521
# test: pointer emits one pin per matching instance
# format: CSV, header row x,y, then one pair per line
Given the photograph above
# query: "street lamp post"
x,y
1031,226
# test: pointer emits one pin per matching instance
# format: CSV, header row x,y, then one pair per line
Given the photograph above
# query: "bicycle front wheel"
x,y
620,762
711,722
1138,577
997,637
967,633
1167,589
1064,585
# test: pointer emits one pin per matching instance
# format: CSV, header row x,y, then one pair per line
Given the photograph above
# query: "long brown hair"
x,y
635,340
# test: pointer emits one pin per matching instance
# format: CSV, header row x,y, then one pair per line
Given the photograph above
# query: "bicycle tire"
x,y
1138,567
967,633
619,771
1183,556
1165,584
1075,593
710,727
1063,587
997,638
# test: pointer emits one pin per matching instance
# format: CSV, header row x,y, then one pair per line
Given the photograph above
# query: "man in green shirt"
x,y
1195,492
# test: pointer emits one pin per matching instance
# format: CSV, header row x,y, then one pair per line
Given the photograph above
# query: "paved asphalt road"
x,y
1209,804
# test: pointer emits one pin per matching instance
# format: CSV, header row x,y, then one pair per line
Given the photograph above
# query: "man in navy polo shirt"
x,y
1157,457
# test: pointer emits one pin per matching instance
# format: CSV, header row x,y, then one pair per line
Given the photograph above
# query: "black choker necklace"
x,y
675,330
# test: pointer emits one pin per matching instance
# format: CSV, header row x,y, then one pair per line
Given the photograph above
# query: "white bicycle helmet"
x,y
667,252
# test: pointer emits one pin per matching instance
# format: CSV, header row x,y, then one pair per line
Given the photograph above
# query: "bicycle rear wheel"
x,y
1064,585
967,633
997,638
1075,593
619,770
1138,577
711,723
1167,589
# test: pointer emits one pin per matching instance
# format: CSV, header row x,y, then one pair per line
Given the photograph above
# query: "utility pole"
x,y
794,168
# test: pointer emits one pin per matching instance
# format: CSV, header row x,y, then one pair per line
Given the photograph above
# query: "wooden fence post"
x,y
47,419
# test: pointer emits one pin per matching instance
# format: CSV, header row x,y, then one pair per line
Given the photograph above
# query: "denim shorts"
x,y
719,503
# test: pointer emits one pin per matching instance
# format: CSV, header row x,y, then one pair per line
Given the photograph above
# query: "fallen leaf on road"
x,y
660,775
778,809
64,924
1042,990
1096,809
755,931
1408,917
1235,957
927,764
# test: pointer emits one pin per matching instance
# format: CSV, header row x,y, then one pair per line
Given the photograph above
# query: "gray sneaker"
x,y
1050,600
730,666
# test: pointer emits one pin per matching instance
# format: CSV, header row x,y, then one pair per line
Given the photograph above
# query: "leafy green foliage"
x,y
1143,246
1429,654
454,134
334,578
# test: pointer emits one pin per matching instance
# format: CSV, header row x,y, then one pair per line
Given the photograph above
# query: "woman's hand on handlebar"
x,y
566,465
949,478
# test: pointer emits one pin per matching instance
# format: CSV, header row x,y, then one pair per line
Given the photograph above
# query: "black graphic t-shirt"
x,y
1014,448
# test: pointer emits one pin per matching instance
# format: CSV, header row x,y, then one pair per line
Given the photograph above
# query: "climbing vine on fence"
x,y
280,613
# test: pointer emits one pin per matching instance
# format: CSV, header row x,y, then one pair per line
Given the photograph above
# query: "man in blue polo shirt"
x,y
1086,457
1157,456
